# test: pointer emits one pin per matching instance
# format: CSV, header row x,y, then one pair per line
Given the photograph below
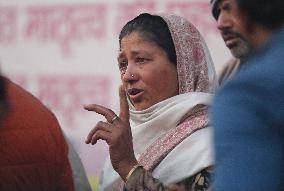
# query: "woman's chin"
x,y
141,106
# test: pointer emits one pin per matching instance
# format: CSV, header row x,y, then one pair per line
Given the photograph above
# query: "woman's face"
x,y
146,72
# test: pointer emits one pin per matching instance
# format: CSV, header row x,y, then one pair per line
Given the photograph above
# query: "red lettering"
x,y
8,24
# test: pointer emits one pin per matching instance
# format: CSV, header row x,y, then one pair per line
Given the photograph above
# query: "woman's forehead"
x,y
135,37
135,44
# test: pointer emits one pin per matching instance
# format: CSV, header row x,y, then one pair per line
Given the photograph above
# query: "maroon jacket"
x,y
33,152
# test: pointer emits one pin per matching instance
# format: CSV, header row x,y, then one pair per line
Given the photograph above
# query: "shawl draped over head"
x,y
172,138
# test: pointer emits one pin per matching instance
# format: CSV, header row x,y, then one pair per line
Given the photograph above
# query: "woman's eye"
x,y
141,60
122,66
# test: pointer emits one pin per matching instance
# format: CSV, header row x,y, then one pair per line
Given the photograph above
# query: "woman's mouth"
x,y
134,94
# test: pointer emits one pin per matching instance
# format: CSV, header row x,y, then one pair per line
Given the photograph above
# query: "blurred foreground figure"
x,y
33,151
248,113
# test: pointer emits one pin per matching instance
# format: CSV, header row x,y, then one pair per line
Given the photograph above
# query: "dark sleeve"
x,y
143,180
248,134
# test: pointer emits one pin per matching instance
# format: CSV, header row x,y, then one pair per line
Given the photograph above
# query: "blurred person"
x,y
162,136
248,111
34,153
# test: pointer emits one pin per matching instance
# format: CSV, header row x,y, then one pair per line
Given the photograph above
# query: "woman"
x,y
168,76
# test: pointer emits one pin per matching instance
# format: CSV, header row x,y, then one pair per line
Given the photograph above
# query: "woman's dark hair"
x,y
269,13
154,29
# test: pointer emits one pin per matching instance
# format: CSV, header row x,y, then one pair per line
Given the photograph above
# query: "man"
x,y
248,111
33,152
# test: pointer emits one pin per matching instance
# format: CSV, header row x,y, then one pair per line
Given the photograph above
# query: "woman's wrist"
x,y
125,167
131,172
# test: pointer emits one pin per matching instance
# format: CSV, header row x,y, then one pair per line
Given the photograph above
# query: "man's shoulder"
x,y
29,114
266,66
262,72
24,105
25,99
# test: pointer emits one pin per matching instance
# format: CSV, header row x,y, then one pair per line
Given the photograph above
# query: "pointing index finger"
x,y
107,113
124,108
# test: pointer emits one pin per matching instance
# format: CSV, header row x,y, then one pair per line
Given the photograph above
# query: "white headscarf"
x,y
197,81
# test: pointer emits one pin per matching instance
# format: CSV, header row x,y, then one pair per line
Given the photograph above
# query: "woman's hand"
x,y
117,133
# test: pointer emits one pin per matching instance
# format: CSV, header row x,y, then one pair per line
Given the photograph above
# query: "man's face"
x,y
235,28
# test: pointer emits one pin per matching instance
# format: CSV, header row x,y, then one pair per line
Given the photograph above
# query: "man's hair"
x,y
268,13
154,29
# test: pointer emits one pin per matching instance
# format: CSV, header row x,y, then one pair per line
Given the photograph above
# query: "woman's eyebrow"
x,y
137,52
121,54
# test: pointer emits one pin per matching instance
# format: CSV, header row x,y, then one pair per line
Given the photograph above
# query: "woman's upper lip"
x,y
134,91
135,94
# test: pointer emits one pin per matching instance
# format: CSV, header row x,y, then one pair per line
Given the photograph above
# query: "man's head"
x,y
246,24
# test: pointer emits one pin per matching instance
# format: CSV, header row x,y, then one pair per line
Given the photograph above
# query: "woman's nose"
x,y
130,74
